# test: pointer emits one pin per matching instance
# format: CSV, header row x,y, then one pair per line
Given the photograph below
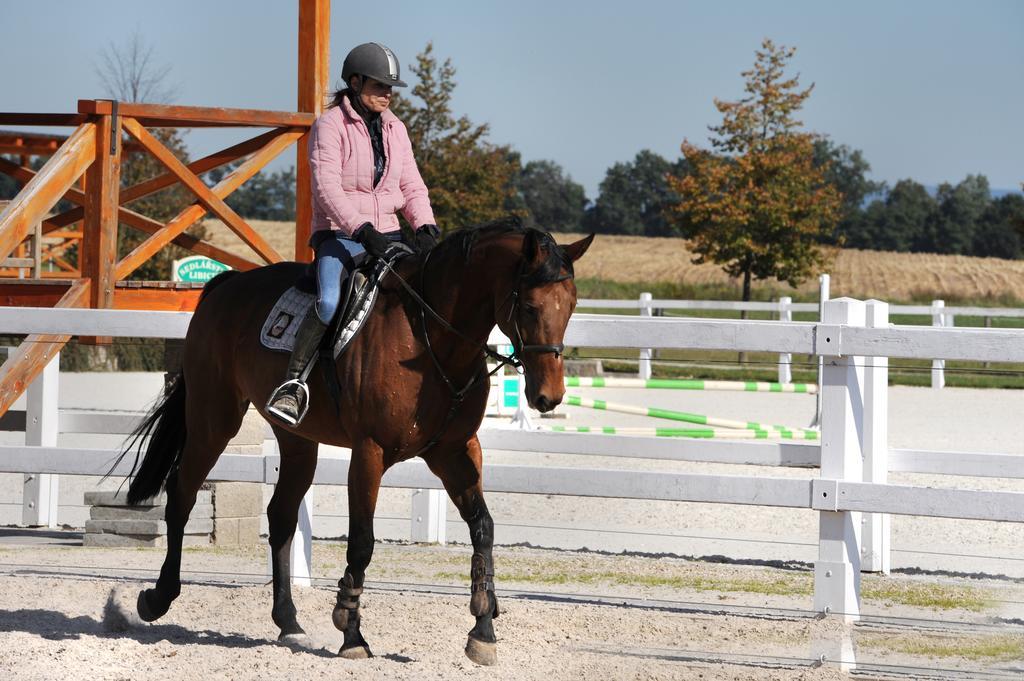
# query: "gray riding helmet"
x,y
373,60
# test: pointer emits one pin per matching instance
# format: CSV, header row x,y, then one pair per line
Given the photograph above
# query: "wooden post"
x,y
99,241
39,503
98,256
785,358
645,369
875,551
314,74
938,365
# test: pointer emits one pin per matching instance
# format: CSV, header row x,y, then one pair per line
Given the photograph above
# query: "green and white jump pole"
x,y
672,415
689,384
705,433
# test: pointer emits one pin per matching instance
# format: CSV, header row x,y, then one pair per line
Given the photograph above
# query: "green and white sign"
x,y
197,268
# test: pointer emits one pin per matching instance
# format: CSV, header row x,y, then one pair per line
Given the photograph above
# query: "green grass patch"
x,y
988,648
935,596
776,586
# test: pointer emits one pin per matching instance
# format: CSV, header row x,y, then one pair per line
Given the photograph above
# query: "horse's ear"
x,y
575,251
532,248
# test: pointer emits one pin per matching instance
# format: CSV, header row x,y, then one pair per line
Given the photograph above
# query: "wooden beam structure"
x,y
314,76
91,157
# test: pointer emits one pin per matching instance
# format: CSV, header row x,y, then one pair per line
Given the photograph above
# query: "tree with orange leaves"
x,y
756,204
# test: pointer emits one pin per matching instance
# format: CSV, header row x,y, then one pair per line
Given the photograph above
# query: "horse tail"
x,y
162,434
160,439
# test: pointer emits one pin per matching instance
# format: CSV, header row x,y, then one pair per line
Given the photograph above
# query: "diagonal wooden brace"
x,y
210,198
207,197
47,187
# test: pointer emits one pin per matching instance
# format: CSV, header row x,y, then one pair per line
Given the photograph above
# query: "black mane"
x,y
463,240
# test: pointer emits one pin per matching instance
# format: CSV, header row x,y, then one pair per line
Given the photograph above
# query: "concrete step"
x,y
199,511
146,527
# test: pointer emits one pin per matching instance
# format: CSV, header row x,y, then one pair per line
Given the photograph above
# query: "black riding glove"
x,y
375,243
426,237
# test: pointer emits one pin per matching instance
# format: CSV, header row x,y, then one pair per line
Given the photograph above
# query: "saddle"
x,y
357,300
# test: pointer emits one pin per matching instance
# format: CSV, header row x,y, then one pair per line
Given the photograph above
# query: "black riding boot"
x,y
291,399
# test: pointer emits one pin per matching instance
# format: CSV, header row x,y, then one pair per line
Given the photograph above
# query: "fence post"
x,y
823,296
785,359
40,498
938,365
837,570
429,516
875,551
644,371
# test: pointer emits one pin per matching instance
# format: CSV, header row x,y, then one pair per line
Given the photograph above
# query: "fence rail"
x,y
783,309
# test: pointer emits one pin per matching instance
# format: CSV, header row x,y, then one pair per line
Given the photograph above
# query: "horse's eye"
x,y
531,311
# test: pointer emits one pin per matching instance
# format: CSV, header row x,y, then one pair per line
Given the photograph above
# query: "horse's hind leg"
x,y
460,471
298,463
212,420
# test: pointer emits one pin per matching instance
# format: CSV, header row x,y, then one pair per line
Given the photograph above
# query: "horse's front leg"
x,y
364,474
460,471
298,464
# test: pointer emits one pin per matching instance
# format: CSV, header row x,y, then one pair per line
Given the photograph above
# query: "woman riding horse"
x,y
363,172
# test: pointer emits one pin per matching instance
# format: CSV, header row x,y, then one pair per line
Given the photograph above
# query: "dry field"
x,y
860,274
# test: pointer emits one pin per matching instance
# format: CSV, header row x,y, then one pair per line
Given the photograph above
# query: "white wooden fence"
x,y
855,341
783,309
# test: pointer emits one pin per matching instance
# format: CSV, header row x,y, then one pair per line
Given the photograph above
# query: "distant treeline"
x,y
634,199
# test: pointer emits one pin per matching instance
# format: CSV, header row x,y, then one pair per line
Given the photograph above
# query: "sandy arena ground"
x,y
566,616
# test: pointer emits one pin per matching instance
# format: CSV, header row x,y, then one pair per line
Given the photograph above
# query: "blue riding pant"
x,y
336,258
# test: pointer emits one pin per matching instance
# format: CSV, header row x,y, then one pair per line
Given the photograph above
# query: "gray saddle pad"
x,y
283,322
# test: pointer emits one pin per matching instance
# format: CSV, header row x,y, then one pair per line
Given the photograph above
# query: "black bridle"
x,y
519,347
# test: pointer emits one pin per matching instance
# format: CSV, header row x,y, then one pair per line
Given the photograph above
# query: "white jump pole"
x,y
785,359
40,498
646,354
938,365
875,548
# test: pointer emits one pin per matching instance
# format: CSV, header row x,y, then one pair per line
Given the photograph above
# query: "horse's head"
x,y
536,312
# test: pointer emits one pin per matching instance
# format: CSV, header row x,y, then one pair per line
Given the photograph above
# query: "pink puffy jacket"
x,y
341,164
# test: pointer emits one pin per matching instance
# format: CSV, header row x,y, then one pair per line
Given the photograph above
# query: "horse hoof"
x,y
355,653
147,614
482,652
299,640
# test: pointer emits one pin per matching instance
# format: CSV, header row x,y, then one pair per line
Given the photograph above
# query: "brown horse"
x,y
412,384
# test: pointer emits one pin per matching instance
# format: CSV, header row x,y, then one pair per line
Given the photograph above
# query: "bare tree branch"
x,y
129,73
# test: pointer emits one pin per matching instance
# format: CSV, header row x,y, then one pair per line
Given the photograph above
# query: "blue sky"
x,y
927,90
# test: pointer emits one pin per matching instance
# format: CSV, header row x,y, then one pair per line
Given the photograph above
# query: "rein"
x,y
458,395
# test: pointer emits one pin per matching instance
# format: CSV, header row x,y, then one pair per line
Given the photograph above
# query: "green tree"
x,y
1000,231
960,208
758,205
897,223
635,197
265,196
553,200
847,170
470,180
